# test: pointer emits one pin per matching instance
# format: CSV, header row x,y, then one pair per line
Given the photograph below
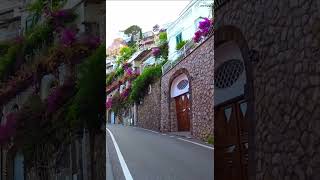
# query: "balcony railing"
x,y
176,57
8,35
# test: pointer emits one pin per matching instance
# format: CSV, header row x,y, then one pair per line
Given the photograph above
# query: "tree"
x,y
133,31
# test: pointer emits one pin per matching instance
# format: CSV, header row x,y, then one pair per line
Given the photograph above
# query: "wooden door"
x,y
231,141
183,109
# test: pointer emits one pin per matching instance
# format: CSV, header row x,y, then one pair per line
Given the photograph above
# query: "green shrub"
x,y
164,50
88,107
36,37
110,78
163,37
181,44
7,61
140,85
210,139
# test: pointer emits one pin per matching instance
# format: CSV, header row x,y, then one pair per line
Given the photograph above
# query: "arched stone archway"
x,y
234,111
180,100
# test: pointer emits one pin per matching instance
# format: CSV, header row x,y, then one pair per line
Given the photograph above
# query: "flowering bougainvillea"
x,y
8,129
109,103
156,52
68,36
58,96
125,93
204,28
60,17
126,65
129,71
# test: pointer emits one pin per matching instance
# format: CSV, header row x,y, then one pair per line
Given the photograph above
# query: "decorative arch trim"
x,y
179,86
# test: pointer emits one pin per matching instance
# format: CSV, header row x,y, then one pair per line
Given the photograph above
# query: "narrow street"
x,y
155,156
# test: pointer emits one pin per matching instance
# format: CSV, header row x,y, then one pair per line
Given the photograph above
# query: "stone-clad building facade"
x,y
279,43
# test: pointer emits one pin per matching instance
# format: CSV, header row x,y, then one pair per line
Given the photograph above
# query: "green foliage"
x,y
4,48
37,6
181,44
88,107
163,37
125,54
164,50
209,139
110,78
7,61
133,31
36,37
141,84
119,72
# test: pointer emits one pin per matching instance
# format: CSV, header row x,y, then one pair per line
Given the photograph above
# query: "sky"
x,y
121,14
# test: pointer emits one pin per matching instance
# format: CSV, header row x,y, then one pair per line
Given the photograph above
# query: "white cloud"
x,y
122,14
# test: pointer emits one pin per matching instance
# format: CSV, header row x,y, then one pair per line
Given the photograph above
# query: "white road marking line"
x,y
163,134
209,147
123,164
150,130
172,136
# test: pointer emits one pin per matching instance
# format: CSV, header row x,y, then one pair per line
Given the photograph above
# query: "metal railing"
x,y
178,55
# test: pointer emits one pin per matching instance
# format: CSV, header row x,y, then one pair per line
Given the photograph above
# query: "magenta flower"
x,y
109,103
58,96
204,27
205,24
8,129
129,71
156,52
125,93
67,37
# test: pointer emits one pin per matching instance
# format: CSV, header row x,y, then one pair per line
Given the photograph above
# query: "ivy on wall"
x,y
141,84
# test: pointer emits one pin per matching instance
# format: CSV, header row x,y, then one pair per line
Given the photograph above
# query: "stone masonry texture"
x,y
286,83
149,110
198,66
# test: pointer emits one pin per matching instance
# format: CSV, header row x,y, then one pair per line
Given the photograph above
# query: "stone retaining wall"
x,y
148,112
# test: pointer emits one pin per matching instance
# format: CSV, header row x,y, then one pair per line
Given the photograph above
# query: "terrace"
x,y
179,55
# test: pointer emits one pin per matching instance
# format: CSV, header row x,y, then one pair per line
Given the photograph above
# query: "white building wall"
x,y
187,23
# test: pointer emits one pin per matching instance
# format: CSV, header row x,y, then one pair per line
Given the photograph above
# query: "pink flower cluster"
x,y
156,52
8,129
68,36
57,96
109,103
129,71
204,27
60,17
125,93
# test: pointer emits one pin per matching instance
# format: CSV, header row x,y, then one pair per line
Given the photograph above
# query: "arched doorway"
x,y
180,92
234,126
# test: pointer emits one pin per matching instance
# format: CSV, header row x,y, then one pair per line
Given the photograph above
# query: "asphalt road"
x,y
155,156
